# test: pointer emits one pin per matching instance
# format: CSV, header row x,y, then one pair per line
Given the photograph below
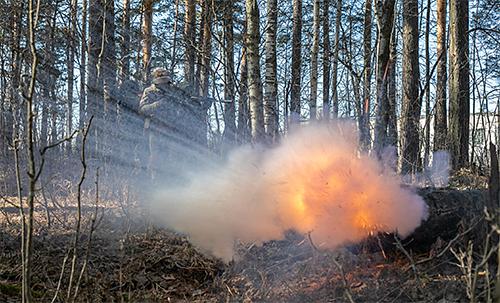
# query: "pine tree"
x,y
411,103
459,83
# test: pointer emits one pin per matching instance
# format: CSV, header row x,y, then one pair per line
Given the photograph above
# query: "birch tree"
x,y
253,66
271,84
338,19
326,58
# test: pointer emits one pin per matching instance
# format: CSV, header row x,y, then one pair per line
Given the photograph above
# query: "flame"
x,y
314,181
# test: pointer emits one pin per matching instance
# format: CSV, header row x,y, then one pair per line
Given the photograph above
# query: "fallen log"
x,y
450,212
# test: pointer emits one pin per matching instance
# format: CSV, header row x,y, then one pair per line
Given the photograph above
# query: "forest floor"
x,y
130,260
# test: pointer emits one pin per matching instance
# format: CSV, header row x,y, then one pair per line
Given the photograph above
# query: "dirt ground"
x,y
131,260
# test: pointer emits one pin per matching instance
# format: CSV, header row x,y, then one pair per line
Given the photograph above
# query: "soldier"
x,y
175,122
159,114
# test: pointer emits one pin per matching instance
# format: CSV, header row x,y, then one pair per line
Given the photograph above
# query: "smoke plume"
x,y
314,181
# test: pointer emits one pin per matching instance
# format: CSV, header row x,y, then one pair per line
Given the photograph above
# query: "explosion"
x,y
314,181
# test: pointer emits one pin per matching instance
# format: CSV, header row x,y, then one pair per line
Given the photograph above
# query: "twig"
x,y
60,277
79,206
89,243
381,247
399,245
452,241
47,148
21,212
347,288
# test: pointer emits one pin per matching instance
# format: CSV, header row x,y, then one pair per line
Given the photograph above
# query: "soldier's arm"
x,y
148,105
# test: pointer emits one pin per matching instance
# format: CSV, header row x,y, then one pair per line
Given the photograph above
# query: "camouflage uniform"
x,y
159,114
175,123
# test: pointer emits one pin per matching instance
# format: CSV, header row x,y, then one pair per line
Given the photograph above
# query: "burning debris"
x,y
314,181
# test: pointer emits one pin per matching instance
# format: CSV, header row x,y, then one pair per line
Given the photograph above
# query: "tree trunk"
x,y
411,102
14,104
44,119
189,40
45,99
174,44
109,62
271,84
385,21
254,81
314,62
364,121
6,124
94,79
326,59
494,180
125,42
440,117
204,68
49,75
243,109
459,83
427,134
109,73
30,142
296,61
392,128
494,195
229,96
71,71
147,23
83,69
206,47
338,18
198,53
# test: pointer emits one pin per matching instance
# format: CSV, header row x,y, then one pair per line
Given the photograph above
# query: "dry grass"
x,y
130,260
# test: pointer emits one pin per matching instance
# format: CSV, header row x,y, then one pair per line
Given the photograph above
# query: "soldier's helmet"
x,y
161,76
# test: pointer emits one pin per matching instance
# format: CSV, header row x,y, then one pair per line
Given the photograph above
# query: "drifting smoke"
x,y
314,181
439,172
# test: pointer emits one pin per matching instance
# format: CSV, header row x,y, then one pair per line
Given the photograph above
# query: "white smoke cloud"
x,y
314,181
439,172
